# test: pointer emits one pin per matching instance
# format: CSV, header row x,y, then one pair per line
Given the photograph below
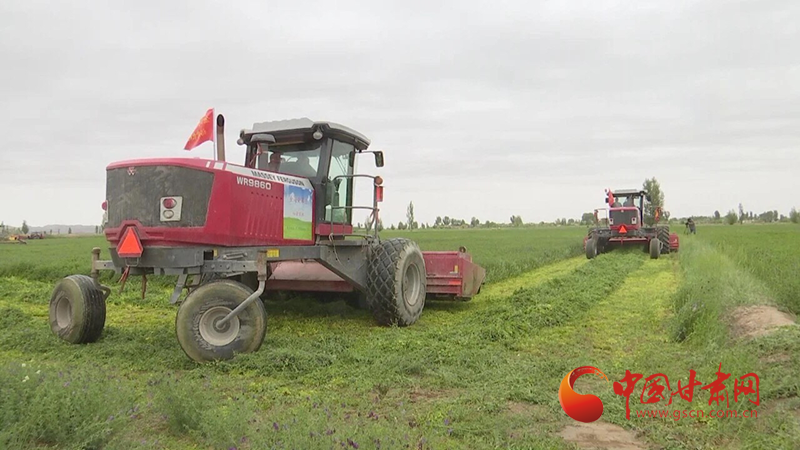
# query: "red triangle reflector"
x,y
623,230
130,246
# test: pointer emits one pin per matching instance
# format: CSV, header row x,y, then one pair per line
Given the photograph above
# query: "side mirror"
x,y
352,158
379,159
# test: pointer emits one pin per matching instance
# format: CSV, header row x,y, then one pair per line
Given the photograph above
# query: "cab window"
x,y
340,191
301,160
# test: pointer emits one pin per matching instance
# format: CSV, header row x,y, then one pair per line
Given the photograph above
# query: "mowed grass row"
x,y
770,252
325,376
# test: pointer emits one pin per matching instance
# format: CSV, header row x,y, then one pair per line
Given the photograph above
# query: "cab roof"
x,y
628,192
286,129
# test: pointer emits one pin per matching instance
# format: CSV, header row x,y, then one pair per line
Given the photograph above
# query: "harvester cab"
x,y
626,209
324,153
626,226
233,233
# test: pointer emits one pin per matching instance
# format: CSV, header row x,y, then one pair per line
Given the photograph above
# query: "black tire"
x,y
396,282
591,248
206,305
77,310
663,237
655,248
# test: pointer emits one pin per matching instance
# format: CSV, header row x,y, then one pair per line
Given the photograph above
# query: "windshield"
x,y
301,160
627,200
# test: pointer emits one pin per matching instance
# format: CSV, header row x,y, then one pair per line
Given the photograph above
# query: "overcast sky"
x,y
483,109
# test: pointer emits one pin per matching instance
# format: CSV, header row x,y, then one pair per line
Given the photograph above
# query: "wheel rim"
x,y
222,335
411,284
63,312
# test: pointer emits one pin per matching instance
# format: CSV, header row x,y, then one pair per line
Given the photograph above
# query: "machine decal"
x,y
268,176
297,212
244,181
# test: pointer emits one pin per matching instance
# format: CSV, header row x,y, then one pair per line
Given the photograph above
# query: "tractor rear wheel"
x,y
655,248
591,248
396,282
663,237
77,310
196,323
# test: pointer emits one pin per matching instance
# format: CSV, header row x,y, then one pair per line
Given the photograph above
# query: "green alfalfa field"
x,y
480,374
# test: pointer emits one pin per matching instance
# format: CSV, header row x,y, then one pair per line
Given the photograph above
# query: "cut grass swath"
x,y
558,300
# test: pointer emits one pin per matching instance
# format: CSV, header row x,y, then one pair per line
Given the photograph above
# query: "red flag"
x,y
203,132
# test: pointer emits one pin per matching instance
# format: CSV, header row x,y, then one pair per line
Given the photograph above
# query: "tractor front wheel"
x,y
396,282
655,248
197,322
77,310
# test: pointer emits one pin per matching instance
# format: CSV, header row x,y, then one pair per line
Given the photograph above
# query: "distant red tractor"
x,y
625,226
282,221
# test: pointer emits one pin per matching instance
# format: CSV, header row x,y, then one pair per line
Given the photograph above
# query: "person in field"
x,y
690,226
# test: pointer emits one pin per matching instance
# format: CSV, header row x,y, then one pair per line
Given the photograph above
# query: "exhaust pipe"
x,y
220,137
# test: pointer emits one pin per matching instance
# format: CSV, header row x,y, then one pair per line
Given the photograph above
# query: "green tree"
x,y
438,222
741,213
794,216
24,227
410,216
717,215
587,218
446,221
653,189
69,230
731,217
